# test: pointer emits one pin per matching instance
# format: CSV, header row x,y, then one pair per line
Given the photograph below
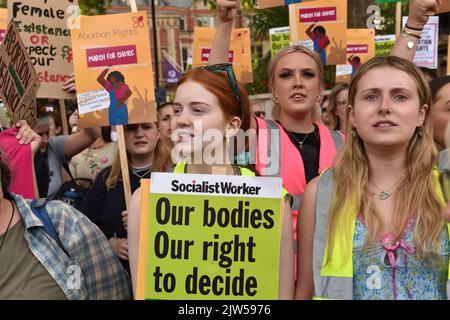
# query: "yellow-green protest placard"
x,y
210,237
280,38
384,44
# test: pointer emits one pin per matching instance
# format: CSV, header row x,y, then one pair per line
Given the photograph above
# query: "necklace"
x,y
7,228
141,172
385,194
300,143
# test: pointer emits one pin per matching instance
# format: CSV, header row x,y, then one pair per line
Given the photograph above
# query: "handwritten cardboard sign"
x,y
19,82
43,26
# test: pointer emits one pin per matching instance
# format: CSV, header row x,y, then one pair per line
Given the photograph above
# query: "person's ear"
x,y
351,116
233,126
422,114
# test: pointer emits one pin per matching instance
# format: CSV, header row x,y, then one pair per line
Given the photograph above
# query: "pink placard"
x,y
206,52
318,14
111,56
357,48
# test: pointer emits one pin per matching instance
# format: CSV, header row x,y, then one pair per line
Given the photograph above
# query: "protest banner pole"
x,y
62,106
123,149
124,164
398,18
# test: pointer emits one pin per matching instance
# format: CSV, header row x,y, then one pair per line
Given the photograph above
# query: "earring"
x,y
275,99
319,99
420,133
354,133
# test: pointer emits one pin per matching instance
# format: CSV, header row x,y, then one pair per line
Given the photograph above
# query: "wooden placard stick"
x,y
62,106
124,165
398,19
123,149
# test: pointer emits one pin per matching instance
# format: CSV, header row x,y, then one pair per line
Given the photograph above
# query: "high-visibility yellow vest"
x,y
335,279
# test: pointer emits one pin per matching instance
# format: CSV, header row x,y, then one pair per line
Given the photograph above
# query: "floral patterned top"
x,y
375,278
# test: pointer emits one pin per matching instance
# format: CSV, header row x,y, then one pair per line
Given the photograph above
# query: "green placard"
x,y
280,38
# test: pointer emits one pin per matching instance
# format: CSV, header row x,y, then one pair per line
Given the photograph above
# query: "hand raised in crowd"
x,y
69,85
420,10
120,247
26,135
125,219
227,10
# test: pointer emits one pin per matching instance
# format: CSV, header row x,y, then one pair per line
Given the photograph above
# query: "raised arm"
x,y
309,30
419,12
350,59
101,78
79,141
226,12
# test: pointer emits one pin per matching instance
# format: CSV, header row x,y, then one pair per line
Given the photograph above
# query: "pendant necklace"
x,y
300,143
385,194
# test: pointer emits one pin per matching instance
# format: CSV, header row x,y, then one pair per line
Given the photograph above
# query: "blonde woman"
x,y
371,227
105,203
296,147
337,107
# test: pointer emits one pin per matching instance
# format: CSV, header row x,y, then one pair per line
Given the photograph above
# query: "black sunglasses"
x,y
228,68
259,113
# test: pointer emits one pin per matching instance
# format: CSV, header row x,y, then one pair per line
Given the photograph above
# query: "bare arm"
x,y
309,30
350,59
419,11
101,77
305,226
287,279
79,141
226,12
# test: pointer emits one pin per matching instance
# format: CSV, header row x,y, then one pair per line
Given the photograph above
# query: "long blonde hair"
x,y
161,163
335,122
417,194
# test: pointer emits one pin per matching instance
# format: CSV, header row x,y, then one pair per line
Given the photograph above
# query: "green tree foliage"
x,y
94,7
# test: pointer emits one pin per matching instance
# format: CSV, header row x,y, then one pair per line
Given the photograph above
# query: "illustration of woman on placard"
x,y
119,92
321,41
